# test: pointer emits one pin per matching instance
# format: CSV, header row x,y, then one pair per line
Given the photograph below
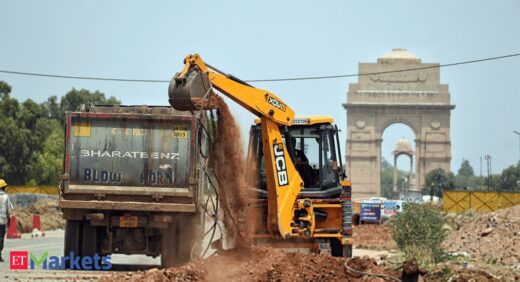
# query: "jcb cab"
x,y
317,158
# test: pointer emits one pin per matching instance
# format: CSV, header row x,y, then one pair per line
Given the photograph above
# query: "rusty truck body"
x,y
132,182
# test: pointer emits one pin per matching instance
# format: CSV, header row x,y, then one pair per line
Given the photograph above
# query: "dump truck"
x,y
302,196
133,182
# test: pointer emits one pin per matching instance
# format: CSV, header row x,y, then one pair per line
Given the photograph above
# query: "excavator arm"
x,y
190,90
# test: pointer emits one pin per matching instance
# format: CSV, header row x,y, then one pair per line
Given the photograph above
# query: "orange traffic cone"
x,y
11,232
37,226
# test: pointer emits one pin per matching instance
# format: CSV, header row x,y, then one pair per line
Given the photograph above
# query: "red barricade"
x,y
37,224
12,233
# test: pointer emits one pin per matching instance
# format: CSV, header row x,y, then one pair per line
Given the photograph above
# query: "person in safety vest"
x,y
5,211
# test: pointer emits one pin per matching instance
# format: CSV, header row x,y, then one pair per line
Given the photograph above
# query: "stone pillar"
x,y
410,174
394,188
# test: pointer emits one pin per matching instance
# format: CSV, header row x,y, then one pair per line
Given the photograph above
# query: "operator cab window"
x,y
315,156
307,156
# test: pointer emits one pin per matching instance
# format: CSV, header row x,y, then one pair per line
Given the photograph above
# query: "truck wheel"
x,y
178,239
355,219
89,245
347,251
168,247
72,237
188,236
338,250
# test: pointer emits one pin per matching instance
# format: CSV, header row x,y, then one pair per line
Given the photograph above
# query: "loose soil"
x,y
373,237
475,271
263,264
50,216
455,221
492,237
228,164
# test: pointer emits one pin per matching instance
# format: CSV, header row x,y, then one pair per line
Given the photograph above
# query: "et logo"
x,y
19,260
22,260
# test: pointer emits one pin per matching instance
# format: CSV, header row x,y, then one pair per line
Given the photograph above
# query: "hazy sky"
x,y
274,39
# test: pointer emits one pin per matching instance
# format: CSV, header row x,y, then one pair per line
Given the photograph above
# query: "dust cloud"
x,y
228,164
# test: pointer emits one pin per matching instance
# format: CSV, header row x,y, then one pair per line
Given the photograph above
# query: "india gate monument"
x,y
415,98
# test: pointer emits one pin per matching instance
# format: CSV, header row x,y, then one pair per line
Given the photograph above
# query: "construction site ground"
x,y
126,266
374,237
481,246
264,264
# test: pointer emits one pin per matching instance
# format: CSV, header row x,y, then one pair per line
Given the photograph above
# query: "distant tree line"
x,y
32,135
438,180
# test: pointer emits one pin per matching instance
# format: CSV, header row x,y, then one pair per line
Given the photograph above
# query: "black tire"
x,y
89,242
168,246
355,219
338,250
178,239
347,251
72,238
187,236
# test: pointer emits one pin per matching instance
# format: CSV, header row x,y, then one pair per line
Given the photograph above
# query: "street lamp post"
x,y
488,162
518,133
437,183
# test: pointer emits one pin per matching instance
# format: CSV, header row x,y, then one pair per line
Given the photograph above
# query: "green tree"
x,y
509,179
9,107
23,132
466,169
4,88
51,108
387,178
419,232
438,180
73,100
49,163
10,148
15,153
31,135
465,178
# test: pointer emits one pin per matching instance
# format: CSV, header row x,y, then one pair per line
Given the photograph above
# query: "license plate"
x,y
128,221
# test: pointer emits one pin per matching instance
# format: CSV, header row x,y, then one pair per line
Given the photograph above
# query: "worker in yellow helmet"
x,y
5,210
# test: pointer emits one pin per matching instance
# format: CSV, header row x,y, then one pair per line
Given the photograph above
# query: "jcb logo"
x,y
277,103
281,167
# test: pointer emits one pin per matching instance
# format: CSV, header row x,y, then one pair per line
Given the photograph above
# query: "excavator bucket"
x,y
191,92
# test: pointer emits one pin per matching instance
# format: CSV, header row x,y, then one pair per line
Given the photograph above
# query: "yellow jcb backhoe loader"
x,y
302,192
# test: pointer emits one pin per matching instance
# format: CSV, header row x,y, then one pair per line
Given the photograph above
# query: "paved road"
x,y
53,244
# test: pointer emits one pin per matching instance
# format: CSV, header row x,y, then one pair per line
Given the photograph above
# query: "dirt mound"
x,y
262,264
474,271
50,216
493,237
456,220
374,237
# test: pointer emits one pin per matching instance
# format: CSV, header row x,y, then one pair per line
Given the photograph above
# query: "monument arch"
x,y
414,98
403,148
